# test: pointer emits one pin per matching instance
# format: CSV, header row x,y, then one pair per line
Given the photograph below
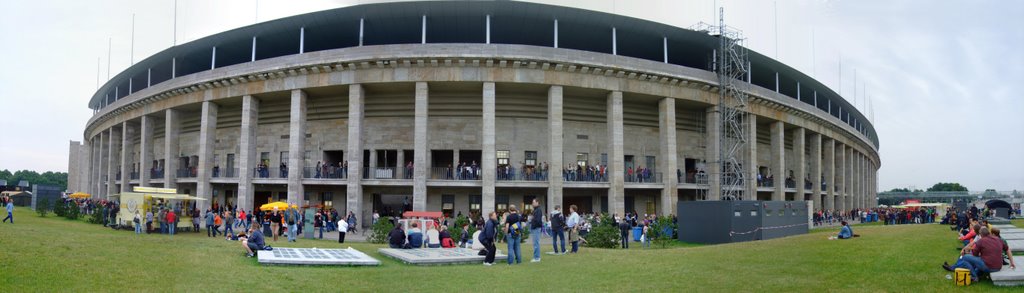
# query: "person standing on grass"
x,y
275,223
10,210
573,224
138,223
646,237
149,221
172,222
229,222
161,219
487,237
536,224
210,232
623,231
513,234
558,229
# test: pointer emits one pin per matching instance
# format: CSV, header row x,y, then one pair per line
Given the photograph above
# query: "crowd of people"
x,y
983,251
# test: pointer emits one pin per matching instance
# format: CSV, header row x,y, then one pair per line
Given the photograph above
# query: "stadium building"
x,y
465,107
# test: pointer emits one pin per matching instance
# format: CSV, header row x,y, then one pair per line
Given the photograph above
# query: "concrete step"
x,y
1008,277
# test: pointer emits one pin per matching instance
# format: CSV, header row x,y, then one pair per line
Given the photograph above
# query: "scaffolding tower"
x,y
732,66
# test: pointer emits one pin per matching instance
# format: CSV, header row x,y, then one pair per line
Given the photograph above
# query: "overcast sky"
x,y
944,77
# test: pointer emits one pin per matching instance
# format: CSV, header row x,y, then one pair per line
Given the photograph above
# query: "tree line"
x,y
47,178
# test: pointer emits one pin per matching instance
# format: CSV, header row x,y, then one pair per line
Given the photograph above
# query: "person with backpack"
x,y
291,216
557,229
138,223
536,224
487,237
513,234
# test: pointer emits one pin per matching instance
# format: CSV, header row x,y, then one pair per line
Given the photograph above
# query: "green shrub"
x,y
72,212
380,231
603,235
97,216
456,231
60,208
43,207
657,234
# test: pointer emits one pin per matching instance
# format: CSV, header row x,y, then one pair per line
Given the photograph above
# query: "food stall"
x,y
145,199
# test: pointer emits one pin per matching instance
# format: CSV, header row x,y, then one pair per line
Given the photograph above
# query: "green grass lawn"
x,y
56,255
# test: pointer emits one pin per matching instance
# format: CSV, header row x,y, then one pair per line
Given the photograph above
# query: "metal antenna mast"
x,y
731,65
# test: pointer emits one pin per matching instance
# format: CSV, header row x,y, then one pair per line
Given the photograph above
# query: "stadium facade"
x,y
394,97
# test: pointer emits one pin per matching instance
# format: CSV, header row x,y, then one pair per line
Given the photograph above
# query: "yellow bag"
x,y
962,277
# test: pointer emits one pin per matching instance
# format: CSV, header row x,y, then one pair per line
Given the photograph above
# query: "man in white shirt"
x,y
571,224
342,228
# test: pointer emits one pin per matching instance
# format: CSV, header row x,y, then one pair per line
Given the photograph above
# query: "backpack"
x,y
516,230
558,221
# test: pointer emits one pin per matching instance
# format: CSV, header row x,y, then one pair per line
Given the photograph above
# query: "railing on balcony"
x,y
766,182
445,173
117,176
649,177
511,174
133,176
584,176
224,173
324,173
266,173
187,173
379,173
156,174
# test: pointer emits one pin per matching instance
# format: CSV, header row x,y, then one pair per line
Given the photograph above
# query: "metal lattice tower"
x,y
731,64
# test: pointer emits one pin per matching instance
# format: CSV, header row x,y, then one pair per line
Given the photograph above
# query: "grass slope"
x,y
52,254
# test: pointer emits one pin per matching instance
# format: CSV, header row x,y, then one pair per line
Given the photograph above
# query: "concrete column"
x,y
489,158
799,149
616,182
126,156
455,159
555,144
207,144
74,174
247,153
842,181
145,149
98,166
861,162
750,170
779,160
112,158
354,189
297,149
373,164
830,174
816,170
400,166
668,159
172,127
712,162
848,170
421,135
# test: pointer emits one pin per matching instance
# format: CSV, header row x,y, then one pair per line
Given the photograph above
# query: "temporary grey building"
x,y
714,222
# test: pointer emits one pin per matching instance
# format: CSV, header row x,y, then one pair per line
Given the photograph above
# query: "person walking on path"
x,y
513,234
536,224
10,210
229,223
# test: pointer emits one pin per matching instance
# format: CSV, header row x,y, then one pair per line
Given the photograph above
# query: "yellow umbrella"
x,y
80,195
277,204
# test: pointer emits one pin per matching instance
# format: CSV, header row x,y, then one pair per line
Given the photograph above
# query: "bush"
x,y
72,212
60,208
43,207
604,235
456,231
380,231
97,216
657,233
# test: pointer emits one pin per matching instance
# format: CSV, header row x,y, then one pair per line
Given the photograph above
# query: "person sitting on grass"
x,y
846,232
396,238
986,255
254,242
